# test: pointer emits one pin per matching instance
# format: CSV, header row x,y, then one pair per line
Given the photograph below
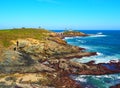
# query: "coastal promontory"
x,y
38,58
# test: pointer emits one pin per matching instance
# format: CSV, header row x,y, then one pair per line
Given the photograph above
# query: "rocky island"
x,y
38,58
70,33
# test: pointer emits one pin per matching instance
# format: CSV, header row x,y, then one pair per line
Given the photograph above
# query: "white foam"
x,y
98,59
72,37
77,37
97,35
113,79
99,54
81,79
81,41
68,38
86,47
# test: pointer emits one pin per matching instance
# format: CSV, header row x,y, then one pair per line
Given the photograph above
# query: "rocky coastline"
x,y
33,63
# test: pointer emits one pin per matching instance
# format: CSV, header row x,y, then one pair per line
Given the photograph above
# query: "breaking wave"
x,y
100,58
98,35
94,81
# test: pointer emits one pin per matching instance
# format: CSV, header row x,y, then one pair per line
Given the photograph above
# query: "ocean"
x,y
107,45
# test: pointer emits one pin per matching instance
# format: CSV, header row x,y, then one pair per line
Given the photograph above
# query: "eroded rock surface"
x,y
33,63
43,64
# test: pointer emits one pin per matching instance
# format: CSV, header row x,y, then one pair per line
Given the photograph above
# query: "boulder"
x,y
53,61
42,67
78,65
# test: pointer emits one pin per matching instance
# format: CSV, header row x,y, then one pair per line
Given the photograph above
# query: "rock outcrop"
x,y
49,58
46,63
70,34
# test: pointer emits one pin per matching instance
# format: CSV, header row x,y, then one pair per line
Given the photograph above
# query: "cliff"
x,y
37,58
32,57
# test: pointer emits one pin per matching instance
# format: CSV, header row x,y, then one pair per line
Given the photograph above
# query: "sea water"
x,y
107,45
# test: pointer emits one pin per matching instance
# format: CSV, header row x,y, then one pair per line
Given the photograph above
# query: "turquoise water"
x,y
104,81
107,44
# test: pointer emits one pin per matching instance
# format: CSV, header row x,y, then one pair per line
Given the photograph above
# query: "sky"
x,y
60,14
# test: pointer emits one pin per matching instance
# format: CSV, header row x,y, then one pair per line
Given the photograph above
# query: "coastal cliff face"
x,y
35,58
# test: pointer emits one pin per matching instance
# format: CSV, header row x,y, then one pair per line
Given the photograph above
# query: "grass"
x,y
12,34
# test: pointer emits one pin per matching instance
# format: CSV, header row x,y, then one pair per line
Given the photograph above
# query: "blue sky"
x,y
60,14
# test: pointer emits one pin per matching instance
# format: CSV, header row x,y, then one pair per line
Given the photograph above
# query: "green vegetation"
x,y
12,34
